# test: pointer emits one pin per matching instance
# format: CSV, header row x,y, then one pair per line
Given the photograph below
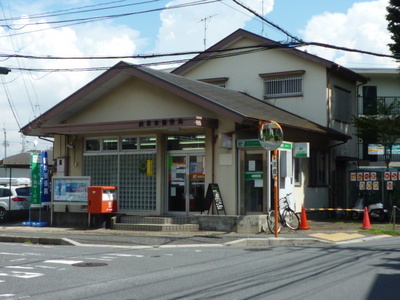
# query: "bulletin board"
x,y
70,189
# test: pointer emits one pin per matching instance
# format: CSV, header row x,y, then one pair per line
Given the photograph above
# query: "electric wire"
x,y
76,10
20,63
10,103
112,16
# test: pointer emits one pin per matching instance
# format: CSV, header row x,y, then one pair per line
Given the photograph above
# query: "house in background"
x,y
383,84
162,138
18,165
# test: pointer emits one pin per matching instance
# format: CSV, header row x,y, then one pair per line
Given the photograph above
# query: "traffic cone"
x,y
366,222
303,220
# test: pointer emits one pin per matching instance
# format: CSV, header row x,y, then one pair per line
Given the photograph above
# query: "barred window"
x,y
283,84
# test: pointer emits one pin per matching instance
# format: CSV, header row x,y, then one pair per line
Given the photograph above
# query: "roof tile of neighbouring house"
x,y
24,158
232,104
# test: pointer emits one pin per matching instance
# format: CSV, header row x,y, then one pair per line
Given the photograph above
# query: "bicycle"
x,y
287,217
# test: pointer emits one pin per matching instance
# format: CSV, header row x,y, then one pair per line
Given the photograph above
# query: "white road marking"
x,y
61,261
19,267
26,275
127,255
46,267
18,259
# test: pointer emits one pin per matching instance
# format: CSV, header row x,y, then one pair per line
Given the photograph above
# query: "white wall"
x,y
243,73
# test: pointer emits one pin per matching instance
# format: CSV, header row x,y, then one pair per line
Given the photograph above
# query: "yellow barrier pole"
x,y
276,189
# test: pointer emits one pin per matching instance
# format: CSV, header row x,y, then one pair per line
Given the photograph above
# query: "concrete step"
x,y
157,227
155,223
157,220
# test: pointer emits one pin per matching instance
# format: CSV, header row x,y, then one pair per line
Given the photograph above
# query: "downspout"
x,y
214,140
357,112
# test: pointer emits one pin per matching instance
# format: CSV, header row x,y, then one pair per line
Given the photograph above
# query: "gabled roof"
x,y
241,108
226,43
24,159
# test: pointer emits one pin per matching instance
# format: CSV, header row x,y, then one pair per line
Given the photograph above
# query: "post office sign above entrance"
x,y
270,135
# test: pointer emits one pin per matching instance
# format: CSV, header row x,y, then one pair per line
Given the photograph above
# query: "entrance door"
x,y
254,187
185,183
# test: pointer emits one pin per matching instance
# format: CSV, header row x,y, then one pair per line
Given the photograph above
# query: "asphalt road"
x,y
367,270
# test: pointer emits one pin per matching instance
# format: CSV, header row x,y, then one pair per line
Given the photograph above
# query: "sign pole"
x,y
270,135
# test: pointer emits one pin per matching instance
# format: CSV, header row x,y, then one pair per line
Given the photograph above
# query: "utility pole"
x,y
5,143
205,29
5,71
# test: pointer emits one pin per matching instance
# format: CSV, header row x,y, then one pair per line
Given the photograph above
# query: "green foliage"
x,y
393,18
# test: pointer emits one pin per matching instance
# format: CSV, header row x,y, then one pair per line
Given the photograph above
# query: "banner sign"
x,y
35,179
378,149
45,185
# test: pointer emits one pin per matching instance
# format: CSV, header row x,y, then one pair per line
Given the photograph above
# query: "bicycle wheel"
x,y
271,222
291,219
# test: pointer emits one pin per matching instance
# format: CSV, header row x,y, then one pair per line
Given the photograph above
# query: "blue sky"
x,y
353,24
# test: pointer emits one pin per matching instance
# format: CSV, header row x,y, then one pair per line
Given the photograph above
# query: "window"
x,y
110,144
186,142
297,171
92,145
342,105
318,168
120,144
147,143
283,84
129,143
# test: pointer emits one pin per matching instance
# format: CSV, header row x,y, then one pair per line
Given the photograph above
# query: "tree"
x,y
381,128
393,18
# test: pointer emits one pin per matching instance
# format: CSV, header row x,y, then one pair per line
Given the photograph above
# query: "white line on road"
x,y
61,261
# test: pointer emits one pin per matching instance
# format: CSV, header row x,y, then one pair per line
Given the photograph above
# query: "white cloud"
x,y
33,93
362,27
184,29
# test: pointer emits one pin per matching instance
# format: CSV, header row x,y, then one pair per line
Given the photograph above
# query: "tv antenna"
x,y
206,20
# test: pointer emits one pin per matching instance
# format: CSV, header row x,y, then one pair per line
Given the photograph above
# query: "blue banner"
x,y
44,172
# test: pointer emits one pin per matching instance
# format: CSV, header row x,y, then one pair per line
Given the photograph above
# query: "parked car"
x,y
13,198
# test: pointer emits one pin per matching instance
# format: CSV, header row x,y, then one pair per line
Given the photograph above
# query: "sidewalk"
x,y
321,231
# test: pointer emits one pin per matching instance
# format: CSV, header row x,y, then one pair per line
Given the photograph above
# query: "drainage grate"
x,y
93,264
258,249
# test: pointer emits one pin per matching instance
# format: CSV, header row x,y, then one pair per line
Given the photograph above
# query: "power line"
x,y
218,54
77,10
113,16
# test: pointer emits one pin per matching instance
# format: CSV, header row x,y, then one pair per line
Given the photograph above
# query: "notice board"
x,y
213,197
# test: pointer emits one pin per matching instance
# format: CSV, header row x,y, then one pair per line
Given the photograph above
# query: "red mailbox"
x,y
102,199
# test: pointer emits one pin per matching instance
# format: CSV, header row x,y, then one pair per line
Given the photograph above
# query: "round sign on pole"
x,y
270,135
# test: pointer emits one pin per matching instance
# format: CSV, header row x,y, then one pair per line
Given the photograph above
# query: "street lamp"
x,y
4,71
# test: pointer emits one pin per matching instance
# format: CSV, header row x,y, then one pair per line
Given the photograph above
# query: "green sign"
x,y
35,179
254,176
256,143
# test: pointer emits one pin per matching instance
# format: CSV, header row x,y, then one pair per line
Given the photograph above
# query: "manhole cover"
x,y
93,264
257,249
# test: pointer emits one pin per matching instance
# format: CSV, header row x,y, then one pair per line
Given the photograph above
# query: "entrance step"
x,y
166,224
